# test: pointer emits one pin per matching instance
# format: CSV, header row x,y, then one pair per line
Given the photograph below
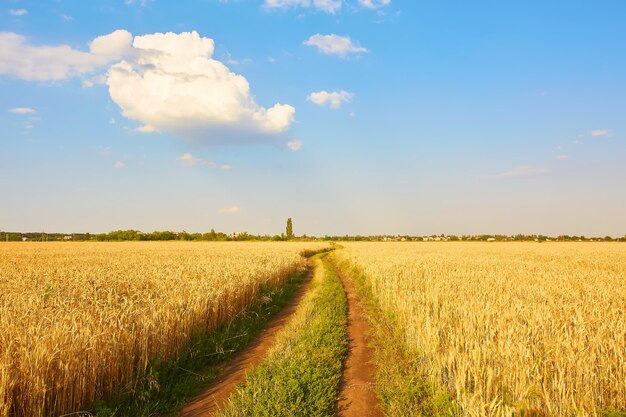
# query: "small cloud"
x,y
333,98
523,171
374,4
67,17
601,133
188,160
229,210
119,165
352,114
295,145
271,60
328,6
104,150
146,129
112,121
142,3
90,82
562,157
332,44
22,110
18,12
577,142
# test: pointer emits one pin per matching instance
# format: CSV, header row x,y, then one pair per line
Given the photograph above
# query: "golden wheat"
x,y
79,321
509,328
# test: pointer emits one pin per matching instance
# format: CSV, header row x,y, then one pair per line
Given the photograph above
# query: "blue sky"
x,y
352,117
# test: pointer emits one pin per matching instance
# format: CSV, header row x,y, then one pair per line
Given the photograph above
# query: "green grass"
x,y
611,412
302,372
170,385
401,382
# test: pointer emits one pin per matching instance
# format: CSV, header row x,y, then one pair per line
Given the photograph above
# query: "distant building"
x,y
25,239
68,237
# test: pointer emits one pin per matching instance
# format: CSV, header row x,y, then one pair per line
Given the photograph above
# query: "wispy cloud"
x,y
328,6
332,44
333,98
523,171
374,4
142,3
188,160
295,145
601,133
22,110
18,12
59,62
104,150
561,157
119,165
229,210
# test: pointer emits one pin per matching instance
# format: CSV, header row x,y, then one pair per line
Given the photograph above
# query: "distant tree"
x,y
289,229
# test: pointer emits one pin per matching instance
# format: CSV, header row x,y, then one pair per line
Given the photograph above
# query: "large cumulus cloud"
x,y
167,82
172,84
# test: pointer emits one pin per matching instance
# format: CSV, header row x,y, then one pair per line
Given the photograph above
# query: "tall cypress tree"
x,y
289,229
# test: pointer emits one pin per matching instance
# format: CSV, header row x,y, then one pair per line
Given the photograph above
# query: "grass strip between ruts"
x,y
301,374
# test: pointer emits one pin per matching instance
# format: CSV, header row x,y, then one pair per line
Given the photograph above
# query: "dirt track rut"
x,y
216,395
357,394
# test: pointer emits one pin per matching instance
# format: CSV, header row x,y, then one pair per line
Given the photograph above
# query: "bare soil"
x,y
214,398
357,394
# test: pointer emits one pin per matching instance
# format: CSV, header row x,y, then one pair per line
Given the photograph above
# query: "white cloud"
x,y
333,98
44,63
295,145
90,82
22,110
18,12
561,157
523,171
67,17
174,86
119,165
189,160
229,210
601,133
328,6
104,150
167,82
334,45
146,129
374,4
142,3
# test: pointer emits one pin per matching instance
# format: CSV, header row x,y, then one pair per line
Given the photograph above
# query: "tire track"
x,y
357,393
213,398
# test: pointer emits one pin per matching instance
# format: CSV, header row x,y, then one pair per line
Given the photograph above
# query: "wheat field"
x,y
509,328
82,320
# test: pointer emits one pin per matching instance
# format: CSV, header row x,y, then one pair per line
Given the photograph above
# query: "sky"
x,y
350,116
